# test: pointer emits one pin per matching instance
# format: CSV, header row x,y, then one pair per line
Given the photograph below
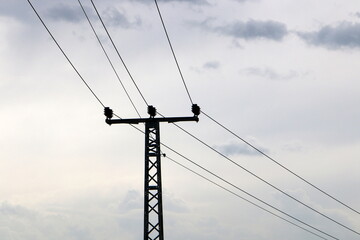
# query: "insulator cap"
x,y
151,111
195,109
108,112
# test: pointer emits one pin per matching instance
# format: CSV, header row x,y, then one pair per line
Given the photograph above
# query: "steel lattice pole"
x,y
153,213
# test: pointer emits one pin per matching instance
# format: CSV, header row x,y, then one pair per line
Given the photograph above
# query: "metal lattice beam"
x,y
153,217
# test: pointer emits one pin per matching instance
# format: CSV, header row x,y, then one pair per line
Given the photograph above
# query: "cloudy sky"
x,y
284,75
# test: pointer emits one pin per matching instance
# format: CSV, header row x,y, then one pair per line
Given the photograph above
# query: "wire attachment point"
x,y
151,111
108,112
195,109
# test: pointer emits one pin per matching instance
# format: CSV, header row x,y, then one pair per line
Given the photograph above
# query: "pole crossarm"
x,y
146,120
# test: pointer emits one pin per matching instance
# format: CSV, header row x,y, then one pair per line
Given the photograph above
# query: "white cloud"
x,y
268,73
252,29
55,145
234,148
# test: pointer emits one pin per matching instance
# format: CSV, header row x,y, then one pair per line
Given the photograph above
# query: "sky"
x,y
283,75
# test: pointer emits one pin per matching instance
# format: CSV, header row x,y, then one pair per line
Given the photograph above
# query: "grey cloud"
x,y
114,17
21,223
231,149
76,222
174,204
251,29
65,13
74,14
16,9
131,201
211,65
357,14
14,210
271,74
344,35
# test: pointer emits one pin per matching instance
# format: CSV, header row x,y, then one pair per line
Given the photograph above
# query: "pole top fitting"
x,y
151,111
108,112
195,109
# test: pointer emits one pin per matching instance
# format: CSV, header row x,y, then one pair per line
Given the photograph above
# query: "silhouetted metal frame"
x,y
144,120
153,207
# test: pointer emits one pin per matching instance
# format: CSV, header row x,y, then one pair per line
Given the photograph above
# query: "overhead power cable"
x,y
252,146
108,58
62,51
311,208
247,193
266,182
72,63
227,182
239,196
279,164
173,52
118,53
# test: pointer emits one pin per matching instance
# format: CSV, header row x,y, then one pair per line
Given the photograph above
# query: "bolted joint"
x,y
108,112
151,111
195,109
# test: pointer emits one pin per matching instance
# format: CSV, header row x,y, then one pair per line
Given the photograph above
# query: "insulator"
x,y
108,112
151,111
195,109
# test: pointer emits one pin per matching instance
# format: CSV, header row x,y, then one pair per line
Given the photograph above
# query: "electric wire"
x,y
207,144
276,162
108,58
118,53
258,199
84,79
252,146
239,196
311,208
265,181
63,52
247,193
173,52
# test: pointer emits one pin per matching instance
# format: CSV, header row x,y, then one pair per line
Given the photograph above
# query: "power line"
x,y
118,53
279,164
266,182
173,53
172,50
237,195
258,150
67,56
247,193
62,51
252,146
108,58
222,179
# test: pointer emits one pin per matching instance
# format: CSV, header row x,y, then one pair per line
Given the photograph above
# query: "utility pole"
x,y
153,208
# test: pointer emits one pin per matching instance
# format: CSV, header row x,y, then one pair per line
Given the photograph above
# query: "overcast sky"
x,y
284,75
